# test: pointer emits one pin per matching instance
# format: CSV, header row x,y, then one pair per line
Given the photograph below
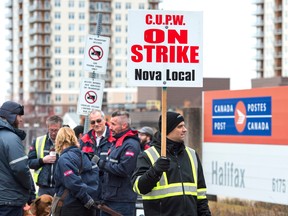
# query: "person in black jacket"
x,y
17,186
117,192
43,158
175,184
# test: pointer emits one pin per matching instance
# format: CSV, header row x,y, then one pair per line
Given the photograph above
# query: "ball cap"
x,y
146,130
9,110
173,119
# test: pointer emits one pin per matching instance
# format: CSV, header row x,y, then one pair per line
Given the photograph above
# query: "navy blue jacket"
x,y
16,180
119,167
82,186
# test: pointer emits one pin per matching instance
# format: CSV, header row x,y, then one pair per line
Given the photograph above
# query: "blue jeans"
x,y
124,208
11,210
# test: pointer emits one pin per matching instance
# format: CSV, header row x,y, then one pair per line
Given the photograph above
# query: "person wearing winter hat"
x,y
17,187
145,135
175,184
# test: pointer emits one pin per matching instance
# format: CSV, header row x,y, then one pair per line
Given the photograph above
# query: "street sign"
x,y
96,54
91,94
165,48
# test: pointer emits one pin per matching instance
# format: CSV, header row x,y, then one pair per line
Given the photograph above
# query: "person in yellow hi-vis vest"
x,y
175,184
42,157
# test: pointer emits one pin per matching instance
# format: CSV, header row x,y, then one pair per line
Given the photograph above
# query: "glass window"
x,y
81,38
71,62
71,3
71,73
71,15
81,4
71,109
118,74
81,27
57,15
118,62
58,98
118,17
71,27
118,28
57,85
57,61
57,73
71,50
57,3
81,50
71,85
117,40
118,5
128,5
57,27
57,50
71,38
141,6
82,16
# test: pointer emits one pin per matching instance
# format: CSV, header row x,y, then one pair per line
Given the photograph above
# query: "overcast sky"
x,y
227,39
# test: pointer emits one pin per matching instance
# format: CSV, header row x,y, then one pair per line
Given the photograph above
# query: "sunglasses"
x,y
94,121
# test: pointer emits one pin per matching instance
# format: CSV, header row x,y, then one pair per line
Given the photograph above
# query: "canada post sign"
x,y
242,116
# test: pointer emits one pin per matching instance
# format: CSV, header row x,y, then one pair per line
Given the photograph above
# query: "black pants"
x,y
11,210
77,209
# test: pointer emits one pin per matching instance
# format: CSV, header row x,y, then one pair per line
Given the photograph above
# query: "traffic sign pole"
x,y
93,74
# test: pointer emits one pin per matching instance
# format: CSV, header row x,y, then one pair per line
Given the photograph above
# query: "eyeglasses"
x,y
94,121
53,130
120,113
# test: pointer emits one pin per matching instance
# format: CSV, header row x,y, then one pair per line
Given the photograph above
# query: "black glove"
x,y
89,204
95,159
161,165
98,161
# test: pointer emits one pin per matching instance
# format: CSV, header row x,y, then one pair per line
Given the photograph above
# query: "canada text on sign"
x,y
167,51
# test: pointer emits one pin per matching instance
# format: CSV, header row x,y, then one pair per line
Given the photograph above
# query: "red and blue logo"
x,y
242,116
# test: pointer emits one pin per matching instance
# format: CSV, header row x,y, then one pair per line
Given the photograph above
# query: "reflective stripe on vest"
x,y
39,147
163,189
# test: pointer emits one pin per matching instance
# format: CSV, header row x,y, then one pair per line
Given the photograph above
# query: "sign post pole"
x,y
93,74
164,121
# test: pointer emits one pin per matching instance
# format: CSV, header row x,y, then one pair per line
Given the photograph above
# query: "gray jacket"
x,y
16,181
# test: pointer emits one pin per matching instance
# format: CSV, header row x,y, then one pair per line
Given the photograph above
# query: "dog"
x,y
41,206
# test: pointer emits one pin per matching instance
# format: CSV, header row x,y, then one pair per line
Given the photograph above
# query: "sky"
x,y
228,43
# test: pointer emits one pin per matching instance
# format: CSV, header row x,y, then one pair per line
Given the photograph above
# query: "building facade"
x,y
47,41
271,43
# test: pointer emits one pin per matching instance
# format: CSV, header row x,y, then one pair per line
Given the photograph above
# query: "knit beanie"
x,y
173,119
9,110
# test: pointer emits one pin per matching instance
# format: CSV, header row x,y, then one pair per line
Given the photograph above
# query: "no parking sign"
x,y
96,53
91,94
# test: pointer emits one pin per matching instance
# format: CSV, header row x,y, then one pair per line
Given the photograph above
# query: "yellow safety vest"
x,y
39,147
163,189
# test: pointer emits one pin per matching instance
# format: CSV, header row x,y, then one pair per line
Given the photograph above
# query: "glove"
x,y
95,159
89,204
98,161
161,165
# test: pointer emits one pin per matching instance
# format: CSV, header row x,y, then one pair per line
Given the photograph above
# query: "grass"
x,y
236,207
